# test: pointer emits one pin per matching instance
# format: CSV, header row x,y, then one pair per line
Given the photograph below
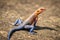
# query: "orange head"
x,y
38,11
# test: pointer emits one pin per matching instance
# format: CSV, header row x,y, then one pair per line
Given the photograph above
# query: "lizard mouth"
x,y
42,8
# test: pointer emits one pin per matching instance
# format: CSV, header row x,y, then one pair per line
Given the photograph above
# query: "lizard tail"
x,y
12,31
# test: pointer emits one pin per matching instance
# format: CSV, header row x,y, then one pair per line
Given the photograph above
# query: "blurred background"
x,y
10,10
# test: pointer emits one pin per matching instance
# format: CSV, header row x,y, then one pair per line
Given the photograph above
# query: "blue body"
x,y
19,21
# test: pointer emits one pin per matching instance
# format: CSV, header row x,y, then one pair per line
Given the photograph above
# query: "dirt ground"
x,y
48,25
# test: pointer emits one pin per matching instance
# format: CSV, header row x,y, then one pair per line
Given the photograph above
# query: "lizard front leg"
x,y
35,21
33,26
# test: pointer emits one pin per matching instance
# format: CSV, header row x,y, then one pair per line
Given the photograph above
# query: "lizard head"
x,y
40,10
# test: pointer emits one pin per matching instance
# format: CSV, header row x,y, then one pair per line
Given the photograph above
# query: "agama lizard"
x,y
29,23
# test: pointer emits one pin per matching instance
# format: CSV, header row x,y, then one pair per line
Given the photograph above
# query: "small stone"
x,y
29,36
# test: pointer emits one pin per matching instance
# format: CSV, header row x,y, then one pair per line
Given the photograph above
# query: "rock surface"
x,y
48,22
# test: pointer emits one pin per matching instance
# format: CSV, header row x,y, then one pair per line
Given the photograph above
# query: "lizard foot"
x,y
32,33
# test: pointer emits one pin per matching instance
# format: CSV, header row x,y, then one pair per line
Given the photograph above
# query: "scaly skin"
x,y
29,23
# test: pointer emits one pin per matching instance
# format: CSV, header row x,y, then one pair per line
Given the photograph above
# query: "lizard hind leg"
x,y
18,21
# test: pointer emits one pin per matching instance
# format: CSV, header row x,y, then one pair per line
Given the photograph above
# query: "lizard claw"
x,y
33,33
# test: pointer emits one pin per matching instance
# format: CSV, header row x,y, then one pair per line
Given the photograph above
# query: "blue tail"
x,y
12,31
